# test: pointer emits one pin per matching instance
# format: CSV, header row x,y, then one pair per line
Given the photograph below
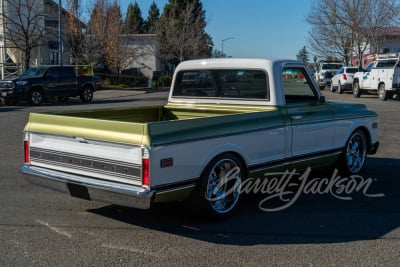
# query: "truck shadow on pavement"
x,y
311,219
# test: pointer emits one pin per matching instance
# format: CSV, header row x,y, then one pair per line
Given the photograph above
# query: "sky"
x,y
253,28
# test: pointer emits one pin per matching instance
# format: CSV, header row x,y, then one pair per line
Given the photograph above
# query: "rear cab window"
x,y
222,83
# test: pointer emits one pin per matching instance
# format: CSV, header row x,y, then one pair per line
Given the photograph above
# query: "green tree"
x,y
134,21
181,31
303,55
152,19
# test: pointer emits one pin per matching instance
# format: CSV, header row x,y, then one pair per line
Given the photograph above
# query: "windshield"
x,y
331,66
351,70
33,72
386,64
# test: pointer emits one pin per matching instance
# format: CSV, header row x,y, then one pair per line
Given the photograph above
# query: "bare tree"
x,y
114,49
24,26
182,34
343,28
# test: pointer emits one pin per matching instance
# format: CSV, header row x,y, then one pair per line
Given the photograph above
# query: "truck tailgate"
x,y
105,150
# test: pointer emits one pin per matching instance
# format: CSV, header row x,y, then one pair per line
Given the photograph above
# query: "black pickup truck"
x,y
37,84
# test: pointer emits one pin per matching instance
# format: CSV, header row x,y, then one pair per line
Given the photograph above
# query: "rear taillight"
x,y
145,172
345,76
145,168
26,148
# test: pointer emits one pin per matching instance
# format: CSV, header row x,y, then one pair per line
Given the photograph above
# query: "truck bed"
x,y
147,125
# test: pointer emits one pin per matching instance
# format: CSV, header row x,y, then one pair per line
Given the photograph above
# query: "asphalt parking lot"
x,y
39,227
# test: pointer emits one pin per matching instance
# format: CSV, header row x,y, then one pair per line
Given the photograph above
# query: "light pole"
x,y
60,45
226,39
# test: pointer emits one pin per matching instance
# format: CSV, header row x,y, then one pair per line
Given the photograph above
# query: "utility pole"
x,y
60,52
3,46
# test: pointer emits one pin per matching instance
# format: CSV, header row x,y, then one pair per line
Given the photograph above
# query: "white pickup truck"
x,y
381,76
227,121
325,72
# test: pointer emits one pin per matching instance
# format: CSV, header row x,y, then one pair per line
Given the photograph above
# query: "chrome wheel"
x,y
223,186
355,153
217,195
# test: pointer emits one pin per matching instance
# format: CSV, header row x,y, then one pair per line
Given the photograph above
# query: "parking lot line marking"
x,y
134,250
55,229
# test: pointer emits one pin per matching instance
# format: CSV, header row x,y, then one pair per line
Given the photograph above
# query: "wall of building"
x,y
142,53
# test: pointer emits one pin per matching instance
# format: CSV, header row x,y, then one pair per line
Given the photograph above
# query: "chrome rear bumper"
x,y
89,188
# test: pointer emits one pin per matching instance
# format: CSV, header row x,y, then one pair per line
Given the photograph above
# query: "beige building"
x,y
141,51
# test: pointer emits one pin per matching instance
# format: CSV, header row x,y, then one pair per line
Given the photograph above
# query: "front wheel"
x,y
332,88
35,97
356,89
354,154
86,94
340,88
383,94
218,192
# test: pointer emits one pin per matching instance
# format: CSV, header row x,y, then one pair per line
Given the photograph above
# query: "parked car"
x,y
38,84
325,72
343,79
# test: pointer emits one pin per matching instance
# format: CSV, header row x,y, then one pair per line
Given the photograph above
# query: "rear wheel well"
x,y
237,155
38,88
85,85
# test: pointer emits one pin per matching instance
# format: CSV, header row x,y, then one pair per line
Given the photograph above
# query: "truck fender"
x,y
228,148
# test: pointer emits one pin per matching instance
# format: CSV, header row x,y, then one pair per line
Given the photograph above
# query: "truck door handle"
x,y
297,117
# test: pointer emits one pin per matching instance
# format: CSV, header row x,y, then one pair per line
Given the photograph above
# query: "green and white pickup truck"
x,y
226,120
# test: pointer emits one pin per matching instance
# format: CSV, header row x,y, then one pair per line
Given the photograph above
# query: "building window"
x,y
53,57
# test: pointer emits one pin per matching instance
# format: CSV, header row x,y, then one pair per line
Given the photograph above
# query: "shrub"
x,y
123,81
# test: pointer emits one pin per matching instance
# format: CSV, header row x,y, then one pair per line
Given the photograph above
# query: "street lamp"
x,y
226,39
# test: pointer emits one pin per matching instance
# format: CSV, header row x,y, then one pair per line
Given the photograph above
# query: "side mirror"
x,y
322,99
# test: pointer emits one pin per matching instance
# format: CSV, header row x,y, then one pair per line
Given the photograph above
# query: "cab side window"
x,y
53,73
297,86
68,73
